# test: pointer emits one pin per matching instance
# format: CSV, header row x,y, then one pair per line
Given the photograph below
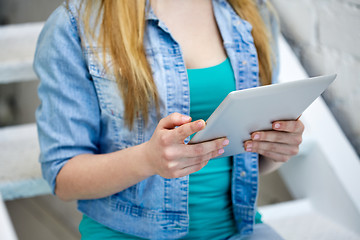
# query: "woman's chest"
x,y
166,60
193,26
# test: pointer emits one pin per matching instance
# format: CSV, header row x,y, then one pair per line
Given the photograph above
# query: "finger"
x,y
174,120
188,170
188,162
188,129
262,147
277,136
193,168
289,126
201,149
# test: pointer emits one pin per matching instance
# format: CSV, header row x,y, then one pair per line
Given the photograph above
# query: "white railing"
x,y
6,229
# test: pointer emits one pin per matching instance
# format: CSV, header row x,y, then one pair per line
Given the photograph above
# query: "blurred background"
x,y
314,196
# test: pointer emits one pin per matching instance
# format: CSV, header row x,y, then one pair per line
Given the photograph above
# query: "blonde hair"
x,y
121,34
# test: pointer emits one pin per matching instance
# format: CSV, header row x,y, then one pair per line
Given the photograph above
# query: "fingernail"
x,y
200,123
277,125
226,142
185,118
248,147
256,137
221,151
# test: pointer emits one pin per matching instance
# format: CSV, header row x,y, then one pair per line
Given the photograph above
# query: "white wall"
x,y
21,11
325,34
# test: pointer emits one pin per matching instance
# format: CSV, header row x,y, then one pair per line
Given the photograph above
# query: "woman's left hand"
x,y
278,144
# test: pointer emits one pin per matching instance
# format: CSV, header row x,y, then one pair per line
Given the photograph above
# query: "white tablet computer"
x,y
245,111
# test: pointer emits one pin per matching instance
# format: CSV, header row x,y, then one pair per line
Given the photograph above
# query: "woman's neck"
x,y
193,25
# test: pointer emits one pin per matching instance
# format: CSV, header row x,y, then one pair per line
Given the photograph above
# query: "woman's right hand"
x,y
168,156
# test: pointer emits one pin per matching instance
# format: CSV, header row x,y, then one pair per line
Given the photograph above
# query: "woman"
x,y
124,84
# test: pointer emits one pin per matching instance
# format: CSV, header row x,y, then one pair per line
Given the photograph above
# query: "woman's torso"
x,y
210,207
166,58
155,207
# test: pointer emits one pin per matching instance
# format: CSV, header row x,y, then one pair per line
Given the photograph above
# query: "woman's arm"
x,y
267,165
90,176
276,146
69,126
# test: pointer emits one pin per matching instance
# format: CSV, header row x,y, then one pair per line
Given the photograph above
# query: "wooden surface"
x,y
44,217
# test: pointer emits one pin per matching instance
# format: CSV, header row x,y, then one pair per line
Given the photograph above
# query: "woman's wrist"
x,y
146,169
267,165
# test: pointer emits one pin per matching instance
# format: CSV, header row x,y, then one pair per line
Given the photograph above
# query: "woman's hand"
x,y
168,155
279,144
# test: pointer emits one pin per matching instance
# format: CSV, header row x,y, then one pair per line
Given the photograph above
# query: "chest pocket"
x,y
111,103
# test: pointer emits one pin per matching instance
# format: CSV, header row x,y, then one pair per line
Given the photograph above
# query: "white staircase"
x,y
323,178
299,220
17,51
20,174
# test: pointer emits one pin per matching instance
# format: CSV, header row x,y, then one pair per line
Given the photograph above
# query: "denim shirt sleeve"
x,y
68,116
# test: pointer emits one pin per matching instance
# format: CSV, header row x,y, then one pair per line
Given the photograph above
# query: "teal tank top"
x,y
210,206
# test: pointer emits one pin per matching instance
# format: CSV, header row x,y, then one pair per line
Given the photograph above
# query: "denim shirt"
x,y
82,112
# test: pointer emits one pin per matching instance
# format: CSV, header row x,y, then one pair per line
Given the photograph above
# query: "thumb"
x,y
174,120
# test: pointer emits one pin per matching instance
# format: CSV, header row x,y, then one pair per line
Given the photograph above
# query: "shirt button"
x,y
243,174
238,22
244,62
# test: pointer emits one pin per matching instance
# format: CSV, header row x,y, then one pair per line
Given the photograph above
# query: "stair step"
x,y
18,43
299,220
20,172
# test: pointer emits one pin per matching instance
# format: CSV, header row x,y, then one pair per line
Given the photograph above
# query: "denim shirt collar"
x,y
149,14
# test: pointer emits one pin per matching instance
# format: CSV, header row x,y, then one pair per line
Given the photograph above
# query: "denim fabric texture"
x,y
82,111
